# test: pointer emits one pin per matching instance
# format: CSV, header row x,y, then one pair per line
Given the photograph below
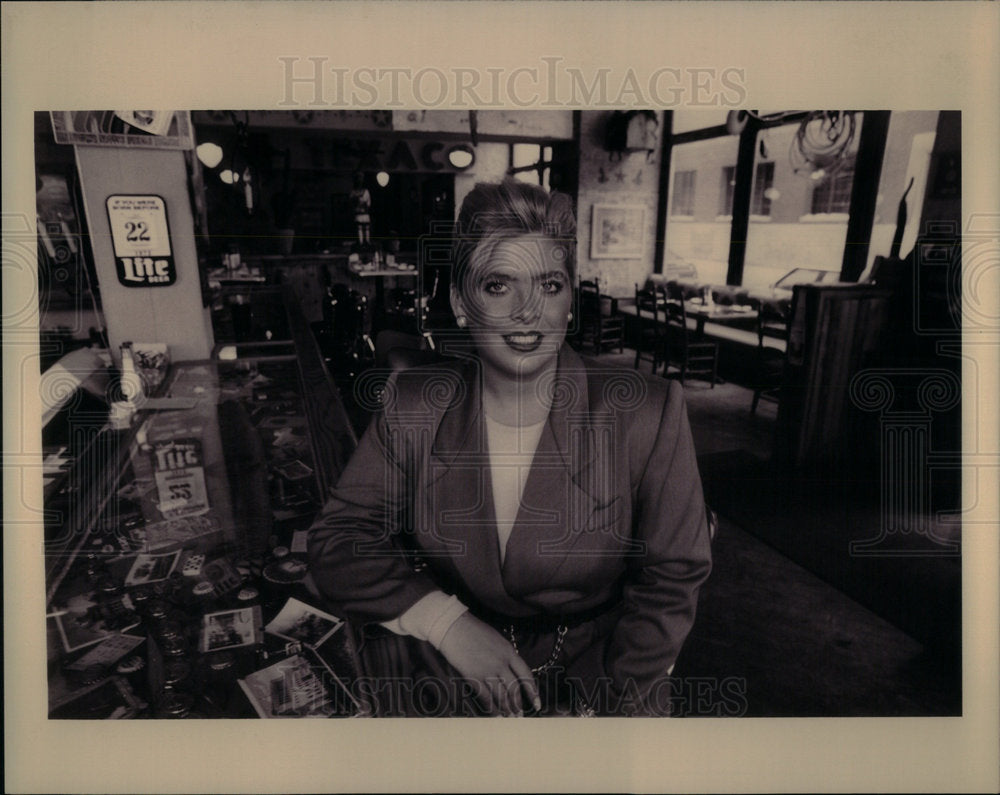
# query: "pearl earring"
x,y
569,317
460,320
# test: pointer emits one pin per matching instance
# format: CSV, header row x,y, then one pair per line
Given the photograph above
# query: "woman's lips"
x,y
524,343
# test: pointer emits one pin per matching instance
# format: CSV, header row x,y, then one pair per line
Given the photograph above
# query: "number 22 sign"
x,y
140,235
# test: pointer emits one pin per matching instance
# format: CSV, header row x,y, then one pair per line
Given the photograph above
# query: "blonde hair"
x,y
493,212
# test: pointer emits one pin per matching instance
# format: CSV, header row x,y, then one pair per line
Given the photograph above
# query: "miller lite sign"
x,y
179,471
141,239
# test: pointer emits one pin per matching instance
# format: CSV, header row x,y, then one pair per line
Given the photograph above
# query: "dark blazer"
x,y
612,515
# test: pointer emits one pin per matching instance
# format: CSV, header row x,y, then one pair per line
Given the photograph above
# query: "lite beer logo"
x,y
180,477
141,238
145,271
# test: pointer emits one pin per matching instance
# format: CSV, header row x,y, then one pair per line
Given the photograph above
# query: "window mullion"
x,y
742,196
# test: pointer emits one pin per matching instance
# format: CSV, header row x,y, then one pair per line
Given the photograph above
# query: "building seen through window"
x,y
798,218
683,199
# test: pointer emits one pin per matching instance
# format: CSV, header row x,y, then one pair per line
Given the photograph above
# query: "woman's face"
x,y
516,304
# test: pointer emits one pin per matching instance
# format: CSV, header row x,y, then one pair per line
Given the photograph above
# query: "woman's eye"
x,y
495,288
552,286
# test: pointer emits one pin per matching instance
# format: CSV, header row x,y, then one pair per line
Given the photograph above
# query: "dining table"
x,y
728,314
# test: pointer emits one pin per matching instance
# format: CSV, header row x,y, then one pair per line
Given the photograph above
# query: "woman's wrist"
x,y
429,618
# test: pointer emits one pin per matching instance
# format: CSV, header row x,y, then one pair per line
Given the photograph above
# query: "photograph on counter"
x,y
109,699
230,629
78,631
288,689
152,568
304,623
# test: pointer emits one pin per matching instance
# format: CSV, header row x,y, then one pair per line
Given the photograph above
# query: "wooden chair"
x,y
600,325
772,322
690,355
650,338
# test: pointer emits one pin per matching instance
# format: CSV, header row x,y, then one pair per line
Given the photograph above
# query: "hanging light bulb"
x,y
209,154
461,156
382,178
229,176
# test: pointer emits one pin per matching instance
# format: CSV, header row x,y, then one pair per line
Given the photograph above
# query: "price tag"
x,y
140,235
179,472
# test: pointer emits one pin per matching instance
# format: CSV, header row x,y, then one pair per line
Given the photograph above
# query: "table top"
x,y
719,313
384,272
242,275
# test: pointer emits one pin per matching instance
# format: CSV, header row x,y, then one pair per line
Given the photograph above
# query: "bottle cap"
x,y
176,705
175,672
222,660
247,594
92,674
131,665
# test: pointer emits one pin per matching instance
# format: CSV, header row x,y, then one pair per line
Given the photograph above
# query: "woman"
x,y
554,504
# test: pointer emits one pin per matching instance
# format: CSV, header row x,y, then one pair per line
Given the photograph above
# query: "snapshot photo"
x,y
152,567
230,629
300,622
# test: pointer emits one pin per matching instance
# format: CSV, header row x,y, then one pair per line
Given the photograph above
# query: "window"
x,y
683,197
698,241
531,163
783,233
833,195
726,190
763,190
907,156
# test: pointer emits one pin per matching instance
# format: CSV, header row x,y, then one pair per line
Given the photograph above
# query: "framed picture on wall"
x,y
616,231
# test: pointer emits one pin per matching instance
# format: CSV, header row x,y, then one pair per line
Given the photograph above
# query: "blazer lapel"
x,y
458,496
560,495
569,480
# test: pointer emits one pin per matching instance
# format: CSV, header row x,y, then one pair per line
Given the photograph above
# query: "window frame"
x,y
863,196
831,192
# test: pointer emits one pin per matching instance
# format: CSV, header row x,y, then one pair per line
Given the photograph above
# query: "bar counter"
x,y
175,549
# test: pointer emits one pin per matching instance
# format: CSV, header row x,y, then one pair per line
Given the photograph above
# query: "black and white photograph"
x,y
646,485
661,400
304,624
149,568
230,629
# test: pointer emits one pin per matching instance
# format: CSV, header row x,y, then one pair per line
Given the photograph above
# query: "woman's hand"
x,y
484,657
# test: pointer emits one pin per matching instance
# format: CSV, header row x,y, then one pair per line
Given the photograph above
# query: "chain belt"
x,y
561,631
